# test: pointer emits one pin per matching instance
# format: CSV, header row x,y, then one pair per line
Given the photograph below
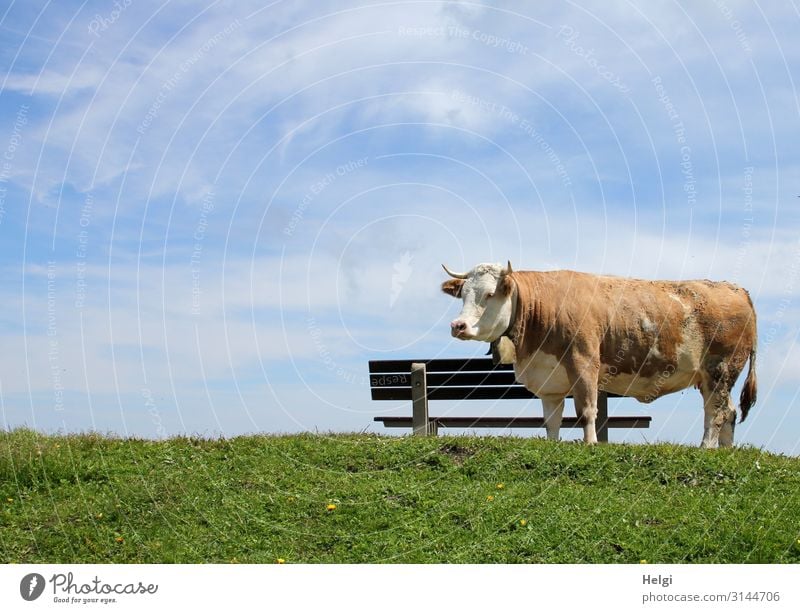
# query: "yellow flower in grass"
x,y
642,561
119,539
523,522
280,561
500,486
489,498
331,507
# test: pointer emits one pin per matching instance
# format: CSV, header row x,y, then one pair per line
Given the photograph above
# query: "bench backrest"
x,y
447,379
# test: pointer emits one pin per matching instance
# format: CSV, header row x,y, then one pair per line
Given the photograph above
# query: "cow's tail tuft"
x,y
749,392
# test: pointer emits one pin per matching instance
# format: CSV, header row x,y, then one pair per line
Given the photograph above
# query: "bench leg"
x,y
420,422
601,423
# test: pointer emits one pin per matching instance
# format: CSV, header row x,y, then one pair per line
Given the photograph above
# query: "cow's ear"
x,y
453,287
504,285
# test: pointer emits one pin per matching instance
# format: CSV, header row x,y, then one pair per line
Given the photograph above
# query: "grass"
x,y
258,499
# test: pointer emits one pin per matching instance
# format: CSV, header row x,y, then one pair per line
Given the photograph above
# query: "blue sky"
x,y
212,215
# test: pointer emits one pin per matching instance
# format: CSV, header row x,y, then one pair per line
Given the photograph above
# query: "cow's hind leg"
x,y
553,407
728,426
719,412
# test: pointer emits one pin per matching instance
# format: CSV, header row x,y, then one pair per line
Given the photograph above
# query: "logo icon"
x,y
31,586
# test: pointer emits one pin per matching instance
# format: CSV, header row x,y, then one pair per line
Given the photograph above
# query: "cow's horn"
x,y
508,270
455,275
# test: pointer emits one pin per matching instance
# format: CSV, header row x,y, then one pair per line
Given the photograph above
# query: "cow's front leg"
x,y
586,409
553,407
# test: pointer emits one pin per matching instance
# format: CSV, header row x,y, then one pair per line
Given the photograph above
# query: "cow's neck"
x,y
512,320
527,311
494,346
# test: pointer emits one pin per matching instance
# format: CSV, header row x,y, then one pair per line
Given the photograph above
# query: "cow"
x,y
576,333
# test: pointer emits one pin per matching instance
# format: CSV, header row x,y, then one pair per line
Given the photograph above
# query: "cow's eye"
x,y
490,295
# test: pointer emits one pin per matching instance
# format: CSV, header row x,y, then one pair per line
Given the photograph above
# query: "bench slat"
x,y
455,379
515,392
377,367
455,393
511,422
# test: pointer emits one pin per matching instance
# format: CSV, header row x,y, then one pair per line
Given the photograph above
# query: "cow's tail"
x,y
748,396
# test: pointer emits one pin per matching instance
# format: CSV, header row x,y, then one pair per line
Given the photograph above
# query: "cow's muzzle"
x,y
458,328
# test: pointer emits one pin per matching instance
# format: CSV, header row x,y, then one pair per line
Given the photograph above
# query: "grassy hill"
x,y
89,498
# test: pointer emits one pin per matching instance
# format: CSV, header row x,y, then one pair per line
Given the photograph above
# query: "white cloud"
x,y
54,83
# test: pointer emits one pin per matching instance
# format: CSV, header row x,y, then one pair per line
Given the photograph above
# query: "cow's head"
x,y
488,306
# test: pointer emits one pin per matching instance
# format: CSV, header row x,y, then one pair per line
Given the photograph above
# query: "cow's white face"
x,y
487,309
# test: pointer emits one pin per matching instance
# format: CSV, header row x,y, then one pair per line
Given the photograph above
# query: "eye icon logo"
x,y
31,586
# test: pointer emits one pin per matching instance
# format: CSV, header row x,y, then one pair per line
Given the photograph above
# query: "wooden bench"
x,y
468,379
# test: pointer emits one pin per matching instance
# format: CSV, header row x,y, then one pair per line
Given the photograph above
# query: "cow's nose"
x,y
457,327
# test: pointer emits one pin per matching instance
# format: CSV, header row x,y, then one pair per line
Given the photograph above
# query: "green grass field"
x,y
260,499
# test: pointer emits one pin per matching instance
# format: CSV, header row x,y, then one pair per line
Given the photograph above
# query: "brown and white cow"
x,y
577,333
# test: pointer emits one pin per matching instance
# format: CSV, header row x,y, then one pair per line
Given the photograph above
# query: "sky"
x,y
212,215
